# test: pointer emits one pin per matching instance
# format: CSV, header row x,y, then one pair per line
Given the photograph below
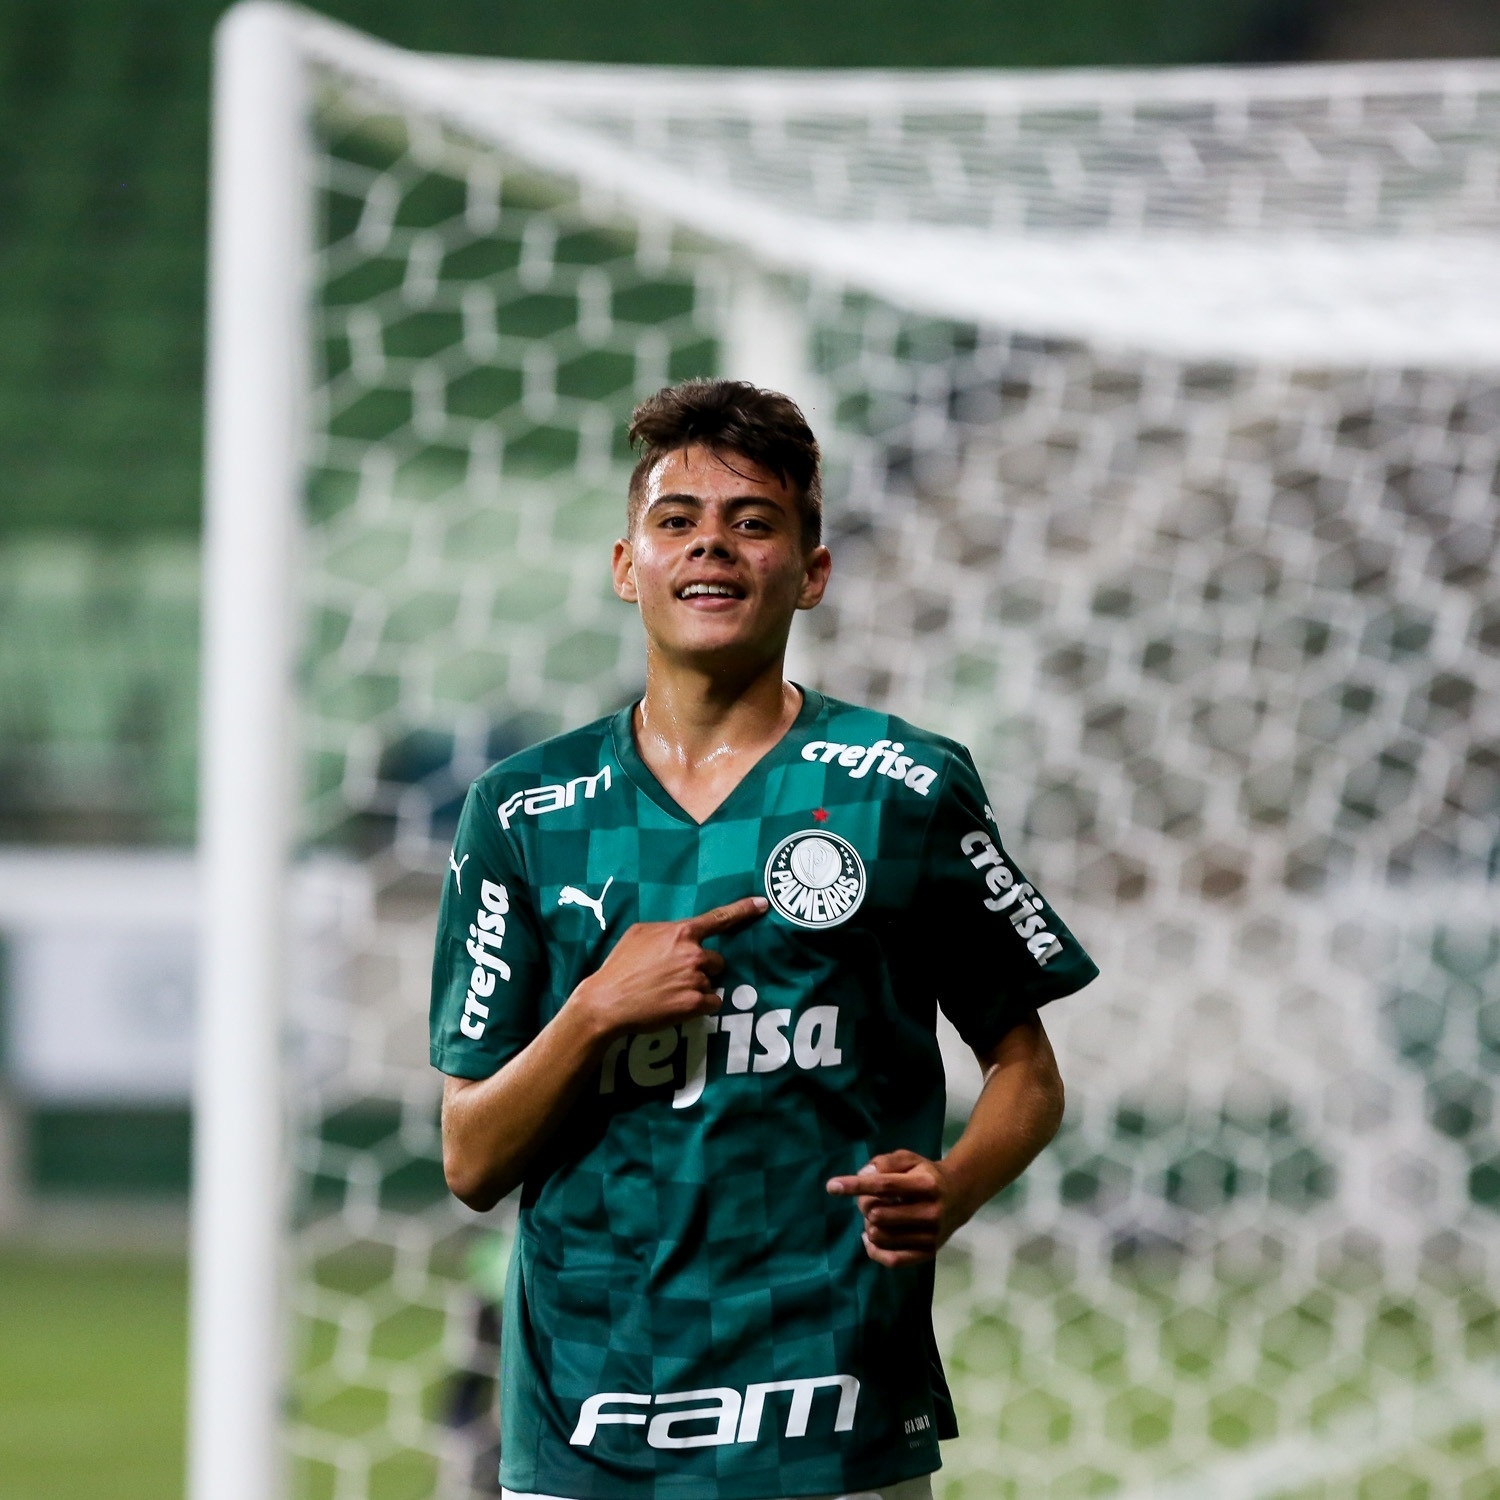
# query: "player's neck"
x,y
700,733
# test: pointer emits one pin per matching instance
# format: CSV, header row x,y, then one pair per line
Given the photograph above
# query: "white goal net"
x,y
1163,417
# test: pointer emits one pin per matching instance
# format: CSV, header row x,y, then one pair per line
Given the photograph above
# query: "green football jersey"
x,y
689,1315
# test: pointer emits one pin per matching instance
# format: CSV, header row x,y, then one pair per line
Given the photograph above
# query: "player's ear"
x,y
622,565
817,566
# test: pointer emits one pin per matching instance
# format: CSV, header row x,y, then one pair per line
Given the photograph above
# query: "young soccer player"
x,y
688,965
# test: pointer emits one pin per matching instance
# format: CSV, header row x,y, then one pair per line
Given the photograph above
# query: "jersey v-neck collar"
x,y
622,732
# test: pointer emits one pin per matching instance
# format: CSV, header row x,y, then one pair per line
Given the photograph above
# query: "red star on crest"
x,y
820,814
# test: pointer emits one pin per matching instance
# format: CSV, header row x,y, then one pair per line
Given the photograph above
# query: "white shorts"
x,y
909,1489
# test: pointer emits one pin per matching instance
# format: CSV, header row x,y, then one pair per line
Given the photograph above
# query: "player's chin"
x,y
723,641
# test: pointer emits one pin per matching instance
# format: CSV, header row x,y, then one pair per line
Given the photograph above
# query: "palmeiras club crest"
x,y
815,879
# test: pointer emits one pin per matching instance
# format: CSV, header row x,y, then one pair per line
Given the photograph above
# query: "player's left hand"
x,y
910,1206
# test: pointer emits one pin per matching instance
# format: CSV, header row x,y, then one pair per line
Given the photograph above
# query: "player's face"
x,y
716,560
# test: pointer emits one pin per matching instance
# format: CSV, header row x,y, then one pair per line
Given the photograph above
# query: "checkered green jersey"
x,y
689,1315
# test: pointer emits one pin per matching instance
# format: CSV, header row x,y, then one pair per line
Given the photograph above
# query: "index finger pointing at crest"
x,y
723,918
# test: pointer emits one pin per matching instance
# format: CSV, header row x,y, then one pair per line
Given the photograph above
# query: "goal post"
x,y
1160,414
260,246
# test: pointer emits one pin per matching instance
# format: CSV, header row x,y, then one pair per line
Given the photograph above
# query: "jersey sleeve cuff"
x,y
982,1038
464,1064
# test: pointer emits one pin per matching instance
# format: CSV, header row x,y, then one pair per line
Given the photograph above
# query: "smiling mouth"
x,y
711,591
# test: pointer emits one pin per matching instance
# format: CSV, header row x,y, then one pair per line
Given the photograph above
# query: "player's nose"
x,y
711,542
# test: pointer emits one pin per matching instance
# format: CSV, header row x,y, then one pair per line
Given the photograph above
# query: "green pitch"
x,y
92,1356
92,1364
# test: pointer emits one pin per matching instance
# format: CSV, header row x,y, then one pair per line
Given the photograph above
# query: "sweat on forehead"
x,y
700,471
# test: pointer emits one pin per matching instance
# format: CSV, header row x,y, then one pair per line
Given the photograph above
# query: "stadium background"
x,y
102,205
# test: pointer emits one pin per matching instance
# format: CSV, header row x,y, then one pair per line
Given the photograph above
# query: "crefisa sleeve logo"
x,y
815,878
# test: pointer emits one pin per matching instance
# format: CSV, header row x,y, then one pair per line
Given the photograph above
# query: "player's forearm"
x,y
1018,1112
659,973
493,1128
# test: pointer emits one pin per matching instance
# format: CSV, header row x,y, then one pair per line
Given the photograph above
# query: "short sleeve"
x,y
489,966
999,948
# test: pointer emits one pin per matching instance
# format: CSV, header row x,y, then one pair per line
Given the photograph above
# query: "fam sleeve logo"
x,y
815,879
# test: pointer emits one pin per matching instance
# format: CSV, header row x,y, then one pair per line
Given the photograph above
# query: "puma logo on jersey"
x,y
458,870
545,799
570,895
860,760
1012,895
720,1414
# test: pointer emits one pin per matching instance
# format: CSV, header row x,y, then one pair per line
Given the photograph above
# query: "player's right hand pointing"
x,y
660,972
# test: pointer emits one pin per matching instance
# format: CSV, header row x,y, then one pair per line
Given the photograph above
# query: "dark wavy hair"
x,y
730,416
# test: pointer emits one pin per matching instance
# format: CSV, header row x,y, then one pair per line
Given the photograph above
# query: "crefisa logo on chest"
x,y
815,878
